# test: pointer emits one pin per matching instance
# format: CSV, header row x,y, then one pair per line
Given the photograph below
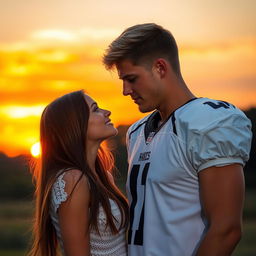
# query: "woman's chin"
x,y
111,134
115,132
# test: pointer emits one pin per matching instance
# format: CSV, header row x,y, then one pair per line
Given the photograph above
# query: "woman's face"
x,y
99,123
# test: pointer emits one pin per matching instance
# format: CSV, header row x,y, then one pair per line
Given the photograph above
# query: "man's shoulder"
x,y
206,106
203,111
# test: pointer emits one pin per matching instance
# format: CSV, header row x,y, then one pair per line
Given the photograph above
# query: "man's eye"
x,y
131,80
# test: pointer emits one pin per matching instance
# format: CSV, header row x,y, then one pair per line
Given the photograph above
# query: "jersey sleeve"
x,y
224,141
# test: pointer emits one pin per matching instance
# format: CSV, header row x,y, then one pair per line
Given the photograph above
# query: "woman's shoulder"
x,y
71,175
74,177
67,182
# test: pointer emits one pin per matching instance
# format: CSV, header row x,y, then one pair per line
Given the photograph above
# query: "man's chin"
x,y
144,109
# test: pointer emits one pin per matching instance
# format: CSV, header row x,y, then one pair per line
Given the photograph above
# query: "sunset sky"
x,y
51,47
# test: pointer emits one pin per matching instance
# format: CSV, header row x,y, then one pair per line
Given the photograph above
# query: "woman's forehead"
x,y
89,100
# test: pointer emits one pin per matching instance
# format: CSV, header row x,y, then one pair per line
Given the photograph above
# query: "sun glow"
x,y
21,111
55,62
36,150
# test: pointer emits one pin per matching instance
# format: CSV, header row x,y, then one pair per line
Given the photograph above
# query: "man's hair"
x,y
142,44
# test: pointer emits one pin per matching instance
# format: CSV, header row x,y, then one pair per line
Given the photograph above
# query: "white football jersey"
x,y
166,217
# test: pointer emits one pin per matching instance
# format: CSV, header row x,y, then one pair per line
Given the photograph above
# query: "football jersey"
x,y
166,217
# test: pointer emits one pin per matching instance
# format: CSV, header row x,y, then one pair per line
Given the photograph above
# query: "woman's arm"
x,y
74,215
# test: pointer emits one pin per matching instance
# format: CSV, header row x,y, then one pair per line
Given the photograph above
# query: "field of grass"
x,y
15,226
16,223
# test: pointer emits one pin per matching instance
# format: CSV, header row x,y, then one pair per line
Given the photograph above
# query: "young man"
x,y
185,182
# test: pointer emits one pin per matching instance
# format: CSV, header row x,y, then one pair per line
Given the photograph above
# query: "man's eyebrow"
x,y
126,76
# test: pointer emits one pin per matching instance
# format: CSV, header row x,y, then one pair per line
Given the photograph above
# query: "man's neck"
x,y
174,102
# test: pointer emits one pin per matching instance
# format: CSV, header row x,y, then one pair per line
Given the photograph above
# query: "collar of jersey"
x,y
151,126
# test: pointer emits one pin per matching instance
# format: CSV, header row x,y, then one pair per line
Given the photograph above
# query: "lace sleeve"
x,y
58,192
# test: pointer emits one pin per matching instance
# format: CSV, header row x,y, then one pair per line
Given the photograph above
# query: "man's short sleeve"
x,y
225,140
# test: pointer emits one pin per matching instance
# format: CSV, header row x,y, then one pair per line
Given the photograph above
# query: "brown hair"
x,y
63,130
141,44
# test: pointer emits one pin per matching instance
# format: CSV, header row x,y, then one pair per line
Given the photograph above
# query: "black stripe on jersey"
x,y
136,128
173,124
133,189
138,238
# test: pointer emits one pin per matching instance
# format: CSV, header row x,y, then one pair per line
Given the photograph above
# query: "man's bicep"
x,y
222,192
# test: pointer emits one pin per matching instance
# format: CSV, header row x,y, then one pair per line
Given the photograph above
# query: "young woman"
x,y
79,209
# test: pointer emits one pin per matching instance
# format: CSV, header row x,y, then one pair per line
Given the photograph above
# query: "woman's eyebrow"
x,y
94,103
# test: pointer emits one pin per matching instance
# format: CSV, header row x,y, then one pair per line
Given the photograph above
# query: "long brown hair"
x,y
63,130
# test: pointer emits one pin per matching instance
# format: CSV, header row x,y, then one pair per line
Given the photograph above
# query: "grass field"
x,y
16,222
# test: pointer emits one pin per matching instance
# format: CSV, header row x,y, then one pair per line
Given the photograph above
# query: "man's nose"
x,y
127,90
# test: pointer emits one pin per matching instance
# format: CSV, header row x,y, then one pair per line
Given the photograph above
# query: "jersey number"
x,y
138,238
221,104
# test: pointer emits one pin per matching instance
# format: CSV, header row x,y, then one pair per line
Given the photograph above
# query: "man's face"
x,y
142,84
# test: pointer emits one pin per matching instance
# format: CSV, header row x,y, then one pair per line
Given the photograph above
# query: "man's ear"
x,y
160,67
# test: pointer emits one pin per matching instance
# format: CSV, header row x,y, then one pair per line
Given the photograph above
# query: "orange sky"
x,y
50,48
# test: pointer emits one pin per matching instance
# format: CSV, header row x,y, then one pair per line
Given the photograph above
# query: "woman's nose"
x,y
107,112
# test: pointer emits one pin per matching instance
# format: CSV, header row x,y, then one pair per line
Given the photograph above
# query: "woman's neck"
x,y
92,151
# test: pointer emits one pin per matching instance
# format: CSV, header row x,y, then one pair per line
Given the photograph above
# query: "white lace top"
x,y
105,244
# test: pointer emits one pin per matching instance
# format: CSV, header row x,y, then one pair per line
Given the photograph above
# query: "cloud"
x,y
54,35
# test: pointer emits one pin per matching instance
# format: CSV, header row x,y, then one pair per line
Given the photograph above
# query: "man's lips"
x,y
136,99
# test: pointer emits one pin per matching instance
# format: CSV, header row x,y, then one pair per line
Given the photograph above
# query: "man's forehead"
x,y
127,68
124,64
122,74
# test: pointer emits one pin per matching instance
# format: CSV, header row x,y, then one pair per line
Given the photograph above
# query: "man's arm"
x,y
222,197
